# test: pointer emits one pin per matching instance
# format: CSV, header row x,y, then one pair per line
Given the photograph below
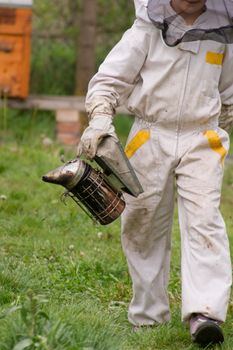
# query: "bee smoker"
x,y
99,193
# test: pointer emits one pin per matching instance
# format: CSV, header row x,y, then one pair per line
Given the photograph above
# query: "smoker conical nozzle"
x,y
56,177
67,175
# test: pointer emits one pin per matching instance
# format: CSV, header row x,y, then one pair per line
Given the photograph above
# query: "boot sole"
x,y
208,333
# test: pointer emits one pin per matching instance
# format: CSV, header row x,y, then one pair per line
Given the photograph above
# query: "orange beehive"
x,y
15,47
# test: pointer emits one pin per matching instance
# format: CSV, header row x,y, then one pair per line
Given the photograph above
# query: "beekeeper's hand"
x,y
99,127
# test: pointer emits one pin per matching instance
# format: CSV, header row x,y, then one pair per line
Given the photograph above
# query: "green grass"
x,y
64,282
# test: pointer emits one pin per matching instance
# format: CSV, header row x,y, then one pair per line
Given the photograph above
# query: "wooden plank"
x,y
52,103
49,103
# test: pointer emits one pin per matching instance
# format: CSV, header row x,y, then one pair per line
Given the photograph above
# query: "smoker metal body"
x,y
89,189
99,192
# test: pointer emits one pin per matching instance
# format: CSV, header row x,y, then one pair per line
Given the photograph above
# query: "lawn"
x,y
64,282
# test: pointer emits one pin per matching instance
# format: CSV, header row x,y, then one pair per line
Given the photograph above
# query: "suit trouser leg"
x,y
146,234
206,265
146,244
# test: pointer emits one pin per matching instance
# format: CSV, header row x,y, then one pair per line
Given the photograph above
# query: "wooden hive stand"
x,y
67,113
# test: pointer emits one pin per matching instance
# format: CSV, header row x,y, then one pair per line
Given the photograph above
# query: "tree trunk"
x,y
85,67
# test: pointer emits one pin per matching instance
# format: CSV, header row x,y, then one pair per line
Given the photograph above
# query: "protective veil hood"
x,y
215,23
141,10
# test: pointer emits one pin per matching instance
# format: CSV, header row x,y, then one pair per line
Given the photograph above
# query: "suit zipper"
x,y
181,103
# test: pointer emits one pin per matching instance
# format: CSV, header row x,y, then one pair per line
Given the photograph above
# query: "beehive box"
x,y
15,47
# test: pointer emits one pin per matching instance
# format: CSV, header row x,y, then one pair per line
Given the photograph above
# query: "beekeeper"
x,y
177,86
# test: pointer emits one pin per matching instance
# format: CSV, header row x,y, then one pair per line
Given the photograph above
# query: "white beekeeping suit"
x,y
176,94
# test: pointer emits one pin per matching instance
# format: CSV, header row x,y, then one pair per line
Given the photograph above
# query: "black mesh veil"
x,y
214,23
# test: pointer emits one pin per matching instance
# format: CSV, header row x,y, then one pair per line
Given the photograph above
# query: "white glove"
x,y
226,118
99,127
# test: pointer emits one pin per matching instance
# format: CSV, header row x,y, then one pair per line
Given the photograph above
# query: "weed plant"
x,y
64,281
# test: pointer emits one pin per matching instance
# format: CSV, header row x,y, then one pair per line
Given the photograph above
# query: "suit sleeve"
x,y
226,79
226,91
119,72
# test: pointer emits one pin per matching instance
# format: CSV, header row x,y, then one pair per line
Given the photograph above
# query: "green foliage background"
x,y
54,40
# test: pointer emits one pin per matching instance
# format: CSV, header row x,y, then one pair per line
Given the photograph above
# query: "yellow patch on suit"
x,y
137,141
216,143
214,58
